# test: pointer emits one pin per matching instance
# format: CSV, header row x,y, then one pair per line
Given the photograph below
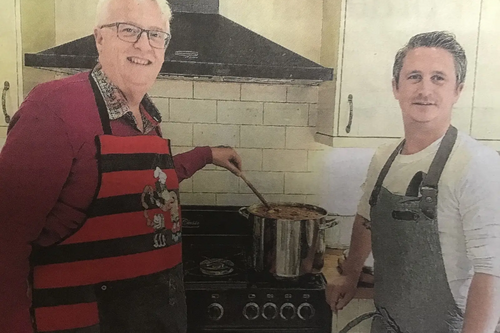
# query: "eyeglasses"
x,y
130,33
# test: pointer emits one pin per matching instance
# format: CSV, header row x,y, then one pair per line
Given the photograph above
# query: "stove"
x,y
225,295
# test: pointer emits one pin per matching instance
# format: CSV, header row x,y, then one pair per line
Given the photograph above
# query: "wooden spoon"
x,y
242,176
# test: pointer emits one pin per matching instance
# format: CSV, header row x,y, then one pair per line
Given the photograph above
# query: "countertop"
x,y
330,271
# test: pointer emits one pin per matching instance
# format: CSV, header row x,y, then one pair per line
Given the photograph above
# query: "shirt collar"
x,y
117,105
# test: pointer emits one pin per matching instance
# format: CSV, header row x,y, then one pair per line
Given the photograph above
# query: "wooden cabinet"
x,y
365,111
10,61
486,110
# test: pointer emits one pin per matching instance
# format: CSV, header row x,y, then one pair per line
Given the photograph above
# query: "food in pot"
x,y
288,212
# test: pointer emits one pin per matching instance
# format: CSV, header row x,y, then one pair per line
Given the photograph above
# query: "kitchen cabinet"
x,y
486,107
10,61
365,112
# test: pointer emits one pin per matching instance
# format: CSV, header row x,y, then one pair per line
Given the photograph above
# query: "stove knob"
x,y
269,311
287,311
305,311
215,311
251,311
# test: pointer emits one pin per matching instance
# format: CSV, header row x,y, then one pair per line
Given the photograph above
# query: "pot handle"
x,y
329,223
244,212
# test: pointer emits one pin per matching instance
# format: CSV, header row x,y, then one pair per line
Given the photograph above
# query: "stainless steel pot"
x,y
288,248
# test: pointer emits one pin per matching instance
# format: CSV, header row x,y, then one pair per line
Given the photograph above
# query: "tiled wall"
x,y
271,127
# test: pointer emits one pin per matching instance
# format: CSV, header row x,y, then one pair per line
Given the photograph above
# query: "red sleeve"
x,y
34,165
186,164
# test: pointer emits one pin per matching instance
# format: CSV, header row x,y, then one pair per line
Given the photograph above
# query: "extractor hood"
x,y
204,44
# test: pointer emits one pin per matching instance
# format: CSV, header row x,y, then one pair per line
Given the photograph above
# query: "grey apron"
x,y
412,293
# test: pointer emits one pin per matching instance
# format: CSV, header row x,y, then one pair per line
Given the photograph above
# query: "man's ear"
x,y
98,39
395,88
458,92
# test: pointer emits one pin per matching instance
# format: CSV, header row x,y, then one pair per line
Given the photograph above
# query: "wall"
x,y
271,126
38,33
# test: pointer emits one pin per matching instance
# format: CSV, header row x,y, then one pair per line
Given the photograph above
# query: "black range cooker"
x,y
225,295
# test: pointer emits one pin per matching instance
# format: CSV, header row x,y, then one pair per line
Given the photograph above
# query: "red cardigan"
x,y
48,176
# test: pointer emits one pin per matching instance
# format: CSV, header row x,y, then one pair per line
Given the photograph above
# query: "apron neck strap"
x,y
435,170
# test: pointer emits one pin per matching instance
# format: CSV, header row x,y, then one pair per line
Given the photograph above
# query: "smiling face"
x,y
133,67
427,87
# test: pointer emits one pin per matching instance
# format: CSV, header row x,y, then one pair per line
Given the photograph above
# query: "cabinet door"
x,y
486,111
374,31
9,53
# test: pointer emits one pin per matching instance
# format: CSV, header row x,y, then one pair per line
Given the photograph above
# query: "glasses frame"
x,y
147,31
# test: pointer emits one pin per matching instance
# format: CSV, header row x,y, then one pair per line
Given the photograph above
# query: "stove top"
x,y
224,294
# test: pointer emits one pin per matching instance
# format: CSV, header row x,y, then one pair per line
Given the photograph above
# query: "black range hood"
x,y
204,44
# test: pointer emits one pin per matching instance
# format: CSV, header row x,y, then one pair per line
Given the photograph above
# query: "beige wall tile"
x,y
250,199
301,138
313,199
180,133
301,183
237,199
263,92
316,160
264,182
302,94
262,136
186,185
172,88
239,112
194,111
215,182
217,90
284,160
163,106
214,135
286,114
197,198
313,115
251,158
286,198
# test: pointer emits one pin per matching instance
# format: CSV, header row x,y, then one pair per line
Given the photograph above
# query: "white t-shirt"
x,y
468,205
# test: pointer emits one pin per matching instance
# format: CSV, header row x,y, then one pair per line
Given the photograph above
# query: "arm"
x,y
186,164
340,292
32,174
482,312
479,196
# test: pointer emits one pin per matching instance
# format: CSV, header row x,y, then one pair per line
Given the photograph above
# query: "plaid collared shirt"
x,y
118,107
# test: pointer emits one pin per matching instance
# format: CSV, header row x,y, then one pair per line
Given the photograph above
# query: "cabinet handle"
x,y
351,111
6,86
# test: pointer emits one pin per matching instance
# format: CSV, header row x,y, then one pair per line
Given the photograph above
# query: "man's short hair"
x,y
102,5
439,39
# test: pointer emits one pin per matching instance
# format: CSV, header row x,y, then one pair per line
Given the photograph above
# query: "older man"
x,y
431,208
88,192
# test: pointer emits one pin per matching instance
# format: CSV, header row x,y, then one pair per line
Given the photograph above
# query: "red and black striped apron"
x,y
121,271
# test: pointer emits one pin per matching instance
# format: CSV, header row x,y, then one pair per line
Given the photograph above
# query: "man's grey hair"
x,y
102,9
439,39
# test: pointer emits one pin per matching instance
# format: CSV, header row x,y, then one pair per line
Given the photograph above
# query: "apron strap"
x,y
101,106
429,184
383,173
429,190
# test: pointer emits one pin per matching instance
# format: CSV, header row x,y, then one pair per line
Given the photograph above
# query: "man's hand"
x,y
228,158
340,291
